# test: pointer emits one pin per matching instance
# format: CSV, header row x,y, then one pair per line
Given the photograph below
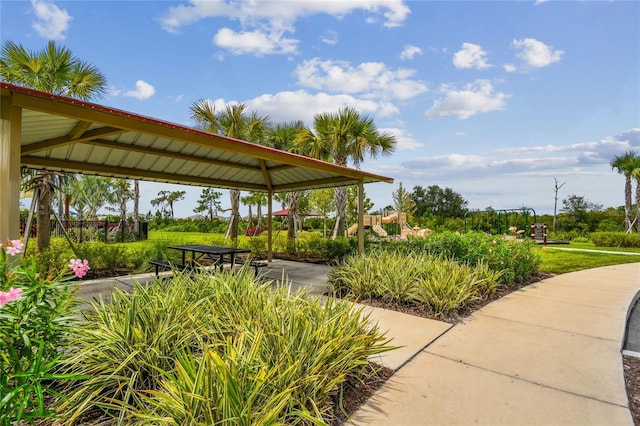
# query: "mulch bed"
x,y
632,380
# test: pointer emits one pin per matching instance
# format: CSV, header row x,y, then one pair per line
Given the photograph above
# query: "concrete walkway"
x,y
549,354
546,355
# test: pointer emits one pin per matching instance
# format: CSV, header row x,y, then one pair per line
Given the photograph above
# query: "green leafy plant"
x,y
217,348
35,321
441,285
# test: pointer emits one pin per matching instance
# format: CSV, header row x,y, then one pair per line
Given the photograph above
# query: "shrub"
x,y
514,259
254,231
216,349
34,327
440,285
615,239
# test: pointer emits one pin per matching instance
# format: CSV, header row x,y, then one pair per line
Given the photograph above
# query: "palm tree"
x,y
234,123
625,164
342,137
635,174
55,70
282,136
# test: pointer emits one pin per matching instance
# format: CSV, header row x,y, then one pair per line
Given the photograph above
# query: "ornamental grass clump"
x,y
440,285
217,348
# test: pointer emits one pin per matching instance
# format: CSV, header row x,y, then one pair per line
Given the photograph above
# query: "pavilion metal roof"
x,y
64,134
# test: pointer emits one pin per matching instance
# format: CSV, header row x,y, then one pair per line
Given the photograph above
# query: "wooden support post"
x,y
360,217
10,137
269,227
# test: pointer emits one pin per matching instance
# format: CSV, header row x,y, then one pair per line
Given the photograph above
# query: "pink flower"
x,y
10,296
15,294
14,247
4,298
79,267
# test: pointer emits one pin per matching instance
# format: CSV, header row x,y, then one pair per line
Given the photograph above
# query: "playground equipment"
x,y
375,222
499,221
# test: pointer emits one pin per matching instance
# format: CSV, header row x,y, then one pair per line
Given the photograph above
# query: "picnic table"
x,y
217,253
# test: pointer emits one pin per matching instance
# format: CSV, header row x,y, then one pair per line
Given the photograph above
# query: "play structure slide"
x,y
374,223
380,230
352,229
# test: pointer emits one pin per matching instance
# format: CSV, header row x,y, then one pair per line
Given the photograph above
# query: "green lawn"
x,y
558,261
554,259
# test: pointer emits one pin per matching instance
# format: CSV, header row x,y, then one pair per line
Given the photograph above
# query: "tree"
x,y
258,199
635,174
166,200
209,202
234,123
342,137
322,201
624,164
282,136
403,201
556,188
55,70
92,192
121,196
352,204
577,208
439,203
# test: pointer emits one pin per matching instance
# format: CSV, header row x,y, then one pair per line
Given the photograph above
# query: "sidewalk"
x,y
548,354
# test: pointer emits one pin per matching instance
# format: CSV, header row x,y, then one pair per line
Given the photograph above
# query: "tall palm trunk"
x,y
292,214
250,215
235,214
627,203
259,213
136,204
637,201
341,208
44,211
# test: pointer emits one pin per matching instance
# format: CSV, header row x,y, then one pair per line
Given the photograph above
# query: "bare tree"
x,y
556,188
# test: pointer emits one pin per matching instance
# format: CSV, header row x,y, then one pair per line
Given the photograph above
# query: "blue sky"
x,y
491,99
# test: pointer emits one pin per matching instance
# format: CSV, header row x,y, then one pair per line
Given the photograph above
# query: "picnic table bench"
x,y
166,265
239,261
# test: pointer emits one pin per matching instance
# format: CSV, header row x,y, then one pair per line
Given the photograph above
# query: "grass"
x,y
557,261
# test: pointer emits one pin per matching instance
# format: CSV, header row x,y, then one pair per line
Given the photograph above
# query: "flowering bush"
x,y
254,231
36,316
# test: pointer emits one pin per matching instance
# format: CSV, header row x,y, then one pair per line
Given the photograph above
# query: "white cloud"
x,y
510,68
142,91
331,38
535,53
590,152
271,19
409,52
254,42
302,105
471,56
51,22
475,98
405,140
373,79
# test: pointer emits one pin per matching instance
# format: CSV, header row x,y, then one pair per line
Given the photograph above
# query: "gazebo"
x,y
57,133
